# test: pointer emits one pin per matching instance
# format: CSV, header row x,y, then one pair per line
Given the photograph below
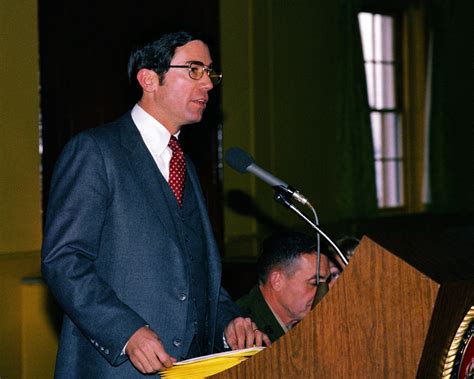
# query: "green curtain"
x,y
451,121
356,196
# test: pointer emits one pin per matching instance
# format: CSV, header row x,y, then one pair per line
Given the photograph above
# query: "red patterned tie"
x,y
177,170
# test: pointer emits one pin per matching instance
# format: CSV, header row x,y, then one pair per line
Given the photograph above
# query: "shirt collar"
x,y
283,326
155,135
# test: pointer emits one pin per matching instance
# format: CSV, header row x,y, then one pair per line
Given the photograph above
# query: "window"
x,y
382,69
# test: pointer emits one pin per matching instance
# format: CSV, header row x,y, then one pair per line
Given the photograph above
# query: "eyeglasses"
x,y
196,71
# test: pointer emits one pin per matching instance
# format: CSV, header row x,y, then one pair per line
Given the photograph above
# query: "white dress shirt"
x,y
156,138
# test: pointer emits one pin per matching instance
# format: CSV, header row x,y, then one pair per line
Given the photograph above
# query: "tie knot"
x,y
174,144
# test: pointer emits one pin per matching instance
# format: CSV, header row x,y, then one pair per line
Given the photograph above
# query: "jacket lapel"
x,y
146,173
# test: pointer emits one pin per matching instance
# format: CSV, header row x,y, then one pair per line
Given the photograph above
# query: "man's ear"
x,y
148,79
276,279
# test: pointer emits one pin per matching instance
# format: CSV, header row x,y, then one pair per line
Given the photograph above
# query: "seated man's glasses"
x,y
196,71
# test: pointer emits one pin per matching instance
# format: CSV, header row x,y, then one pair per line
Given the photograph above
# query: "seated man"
x,y
287,283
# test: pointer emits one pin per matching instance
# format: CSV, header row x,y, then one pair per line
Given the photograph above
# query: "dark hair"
x,y
158,54
283,249
347,245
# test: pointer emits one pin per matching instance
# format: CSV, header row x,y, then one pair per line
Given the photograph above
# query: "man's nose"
x,y
206,82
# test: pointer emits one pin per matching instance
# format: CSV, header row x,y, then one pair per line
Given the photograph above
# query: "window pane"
x,y
376,121
379,183
388,80
378,30
383,38
366,30
384,86
387,39
378,86
391,136
393,188
369,74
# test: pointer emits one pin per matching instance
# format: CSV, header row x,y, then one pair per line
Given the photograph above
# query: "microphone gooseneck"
x,y
284,201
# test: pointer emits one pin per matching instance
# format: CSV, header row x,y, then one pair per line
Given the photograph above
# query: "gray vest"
x,y
188,224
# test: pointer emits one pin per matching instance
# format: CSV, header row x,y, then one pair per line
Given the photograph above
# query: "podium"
x,y
389,315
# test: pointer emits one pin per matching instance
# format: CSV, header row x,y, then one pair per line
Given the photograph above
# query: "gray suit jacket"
x,y
112,257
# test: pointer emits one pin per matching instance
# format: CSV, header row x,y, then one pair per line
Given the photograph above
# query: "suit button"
x,y
106,351
182,296
96,344
177,342
102,348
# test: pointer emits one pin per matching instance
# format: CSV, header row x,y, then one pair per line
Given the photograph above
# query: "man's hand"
x,y
242,332
147,353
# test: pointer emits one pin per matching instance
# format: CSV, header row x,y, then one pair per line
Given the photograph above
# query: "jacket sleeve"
x,y
78,201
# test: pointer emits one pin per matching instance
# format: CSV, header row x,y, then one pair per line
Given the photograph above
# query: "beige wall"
x,y
28,333
28,339
20,205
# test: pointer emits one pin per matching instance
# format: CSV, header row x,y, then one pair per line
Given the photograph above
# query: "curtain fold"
x,y
356,197
451,122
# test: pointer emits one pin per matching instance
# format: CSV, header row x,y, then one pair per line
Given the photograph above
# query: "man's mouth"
x,y
201,102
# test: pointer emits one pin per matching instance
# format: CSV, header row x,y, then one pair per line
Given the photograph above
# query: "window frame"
x,y
410,69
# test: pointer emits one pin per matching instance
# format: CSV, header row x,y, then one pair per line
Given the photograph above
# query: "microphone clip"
x,y
289,192
283,198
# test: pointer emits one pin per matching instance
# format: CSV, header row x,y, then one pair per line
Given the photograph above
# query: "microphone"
x,y
243,162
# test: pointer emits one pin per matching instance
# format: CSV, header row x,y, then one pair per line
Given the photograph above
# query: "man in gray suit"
x,y
128,248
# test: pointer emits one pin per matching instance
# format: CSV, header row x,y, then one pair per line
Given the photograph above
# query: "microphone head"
x,y
238,159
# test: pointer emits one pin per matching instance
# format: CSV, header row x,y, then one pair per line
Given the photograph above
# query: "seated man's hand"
x,y
147,353
242,332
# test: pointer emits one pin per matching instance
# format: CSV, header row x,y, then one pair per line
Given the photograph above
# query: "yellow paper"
x,y
207,365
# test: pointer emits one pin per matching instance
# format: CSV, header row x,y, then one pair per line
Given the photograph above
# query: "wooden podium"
x,y
383,318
